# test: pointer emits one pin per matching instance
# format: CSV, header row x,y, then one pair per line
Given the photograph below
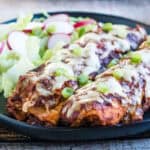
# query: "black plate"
x,y
66,133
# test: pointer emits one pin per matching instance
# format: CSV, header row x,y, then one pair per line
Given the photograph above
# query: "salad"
x,y
28,42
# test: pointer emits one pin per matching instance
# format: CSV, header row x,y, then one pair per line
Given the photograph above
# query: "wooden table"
x,y
134,9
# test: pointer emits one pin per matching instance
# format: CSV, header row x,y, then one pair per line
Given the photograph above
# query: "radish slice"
x,y
17,41
56,38
59,17
33,25
61,27
2,44
83,23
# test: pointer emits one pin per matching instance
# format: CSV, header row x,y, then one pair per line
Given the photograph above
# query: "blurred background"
x,y
134,9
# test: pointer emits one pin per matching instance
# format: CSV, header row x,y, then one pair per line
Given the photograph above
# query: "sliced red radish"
x,y
58,17
17,41
83,23
2,45
61,27
56,38
33,25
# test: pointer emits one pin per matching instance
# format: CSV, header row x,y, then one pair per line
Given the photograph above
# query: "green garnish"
x,y
67,92
118,73
81,31
136,58
77,51
103,88
51,29
112,63
37,31
107,27
83,79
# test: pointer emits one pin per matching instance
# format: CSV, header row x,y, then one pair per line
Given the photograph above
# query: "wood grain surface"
x,y
134,9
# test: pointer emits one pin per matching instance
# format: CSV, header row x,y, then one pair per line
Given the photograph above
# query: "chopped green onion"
x,y
103,88
60,71
51,29
107,27
77,51
83,79
136,58
37,31
67,92
112,63
118,73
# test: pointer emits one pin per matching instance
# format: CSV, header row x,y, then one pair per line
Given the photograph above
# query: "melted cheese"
x,y
129,71
113,85
89,93
145,56
84,98
42,91
147,88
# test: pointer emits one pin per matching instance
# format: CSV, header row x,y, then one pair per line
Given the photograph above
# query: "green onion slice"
x,y
67,92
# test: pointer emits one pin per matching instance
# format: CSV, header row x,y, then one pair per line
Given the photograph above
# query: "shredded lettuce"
x,y
119,30
47,55
23,21
33,48
7,61
10,78
43,46
74,36
7,85
5,29
32,51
